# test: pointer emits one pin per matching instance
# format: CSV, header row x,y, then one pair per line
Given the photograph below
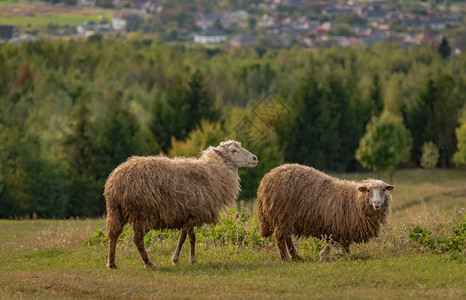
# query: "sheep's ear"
x,y
390,187
362,188
218,151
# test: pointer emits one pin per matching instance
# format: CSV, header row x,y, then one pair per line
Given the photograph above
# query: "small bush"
x,y
430,155
452,243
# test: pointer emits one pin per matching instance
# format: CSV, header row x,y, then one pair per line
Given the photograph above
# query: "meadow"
x,y
43,259
40,14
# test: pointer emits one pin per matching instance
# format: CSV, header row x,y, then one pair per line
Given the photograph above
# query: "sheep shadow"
x,y
234,266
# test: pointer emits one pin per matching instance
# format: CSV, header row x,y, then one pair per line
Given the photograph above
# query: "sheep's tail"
x,y
265,228
115,220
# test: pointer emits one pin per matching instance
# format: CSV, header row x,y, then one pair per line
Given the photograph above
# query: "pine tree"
x,y
314,130
434,117
81,157
376,95
119,137
183,110
444,48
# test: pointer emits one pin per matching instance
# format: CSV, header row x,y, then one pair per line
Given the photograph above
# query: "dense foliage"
x,y
71,111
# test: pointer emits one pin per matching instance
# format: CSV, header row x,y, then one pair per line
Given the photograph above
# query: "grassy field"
x,y
41,14
45,259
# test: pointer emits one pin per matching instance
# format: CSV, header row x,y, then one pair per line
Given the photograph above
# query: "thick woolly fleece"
x,y
157,192
302,201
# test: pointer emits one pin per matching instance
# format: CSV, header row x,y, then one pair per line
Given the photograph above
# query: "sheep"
x,y
299,200
157,192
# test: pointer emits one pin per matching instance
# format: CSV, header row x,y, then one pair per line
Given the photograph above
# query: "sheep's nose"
x,y
254,157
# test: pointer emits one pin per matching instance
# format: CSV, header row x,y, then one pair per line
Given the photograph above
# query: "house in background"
x,y
210,36
244,40
7,32
118,24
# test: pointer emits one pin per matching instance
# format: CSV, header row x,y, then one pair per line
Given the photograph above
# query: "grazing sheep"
x,y
298,200
157,192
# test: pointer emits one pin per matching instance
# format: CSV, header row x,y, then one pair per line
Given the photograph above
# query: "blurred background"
x,y
343,86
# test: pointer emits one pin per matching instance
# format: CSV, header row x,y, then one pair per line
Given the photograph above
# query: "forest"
x,y
71,111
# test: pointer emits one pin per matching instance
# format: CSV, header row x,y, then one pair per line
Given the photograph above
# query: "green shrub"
x,y
452,243
236,228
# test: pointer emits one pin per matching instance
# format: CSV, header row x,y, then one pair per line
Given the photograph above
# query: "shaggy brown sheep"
x,y
157,192
298,200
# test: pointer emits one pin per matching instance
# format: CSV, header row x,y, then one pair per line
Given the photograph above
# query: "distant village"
x,y
268,24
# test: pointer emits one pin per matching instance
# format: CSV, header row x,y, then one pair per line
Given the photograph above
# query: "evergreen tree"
x,y
81,157
314,129
343,112
444,48
119,137
434,117
182,111
199,103
375,95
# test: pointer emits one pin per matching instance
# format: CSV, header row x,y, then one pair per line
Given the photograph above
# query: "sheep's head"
x,y
232,151
376,191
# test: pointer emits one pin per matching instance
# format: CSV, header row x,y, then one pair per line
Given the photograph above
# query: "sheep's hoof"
x,y
297,258
174,262
285,259
193,260
112,266
322,259
149,266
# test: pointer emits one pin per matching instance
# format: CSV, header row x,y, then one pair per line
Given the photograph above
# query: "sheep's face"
x,y
233,152
376,192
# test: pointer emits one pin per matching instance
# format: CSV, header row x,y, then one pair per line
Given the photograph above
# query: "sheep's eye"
x,y
383,190
233,150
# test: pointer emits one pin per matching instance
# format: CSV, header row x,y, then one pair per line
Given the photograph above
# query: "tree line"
x,y
73,110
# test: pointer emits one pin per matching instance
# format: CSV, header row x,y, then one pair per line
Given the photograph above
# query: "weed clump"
x,y
452,243
236,228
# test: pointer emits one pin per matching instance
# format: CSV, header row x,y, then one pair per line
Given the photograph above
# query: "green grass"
x,y
45,259
6,3
42,21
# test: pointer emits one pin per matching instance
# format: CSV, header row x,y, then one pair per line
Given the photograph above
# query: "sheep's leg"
x,y
192,242
281,244
139,233
291,248
323,254
176,255
345,248
114,229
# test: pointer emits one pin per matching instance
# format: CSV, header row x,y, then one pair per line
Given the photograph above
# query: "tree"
x,y
181,112
434,116
207,134
386,144
119,136
199,103
446,5
313,130
430,155
81,158
444,48
375,95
